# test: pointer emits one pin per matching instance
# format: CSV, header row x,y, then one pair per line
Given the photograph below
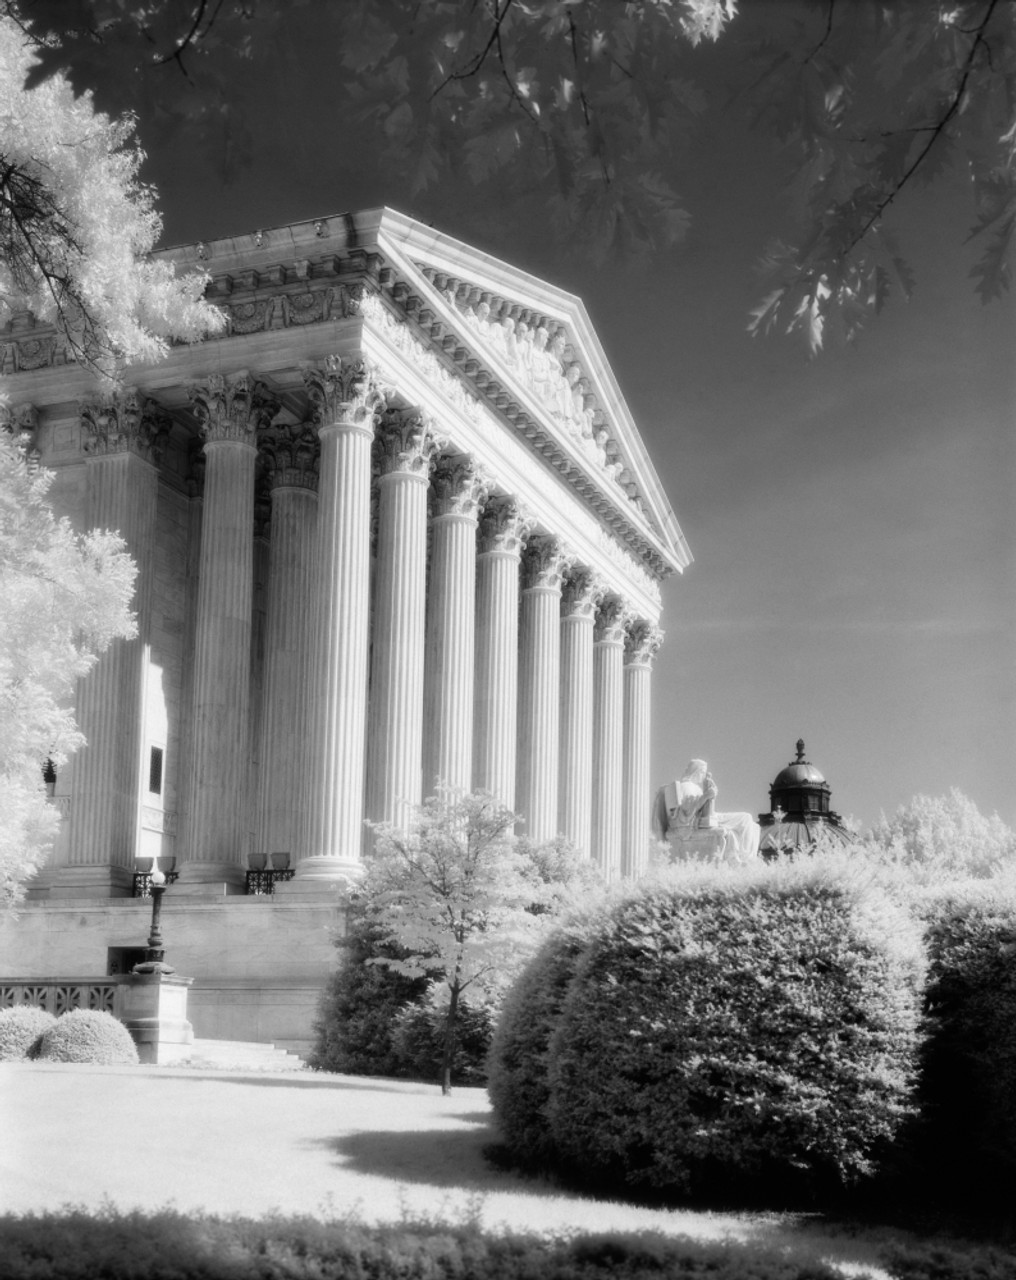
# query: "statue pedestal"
x,y
155,1013
700,846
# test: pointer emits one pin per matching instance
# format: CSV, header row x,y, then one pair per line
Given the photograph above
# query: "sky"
x,y
850,516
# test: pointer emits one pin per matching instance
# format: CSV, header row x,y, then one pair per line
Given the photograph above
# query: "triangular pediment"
x,y
539,343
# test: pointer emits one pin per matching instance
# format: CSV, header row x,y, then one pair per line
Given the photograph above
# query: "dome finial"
x,y
800,749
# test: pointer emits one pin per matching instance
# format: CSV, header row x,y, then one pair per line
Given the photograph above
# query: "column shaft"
x,y
283,790
641,644
575,799
218,829
495,734
395,729
216,843
347,402
608,712
539,687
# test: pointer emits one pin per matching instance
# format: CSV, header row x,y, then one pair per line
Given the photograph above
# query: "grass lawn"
x,y
225,1142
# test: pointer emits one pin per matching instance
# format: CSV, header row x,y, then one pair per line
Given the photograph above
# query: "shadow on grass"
x,y
373,1084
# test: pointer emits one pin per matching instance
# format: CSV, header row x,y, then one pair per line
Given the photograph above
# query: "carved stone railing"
x,y
59,995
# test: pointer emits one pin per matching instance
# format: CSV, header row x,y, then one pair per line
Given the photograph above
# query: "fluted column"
x,y
608,712
579,598
123,442
449,676
290,454
641,642
405,446
345,401
495,726
543,566
229,412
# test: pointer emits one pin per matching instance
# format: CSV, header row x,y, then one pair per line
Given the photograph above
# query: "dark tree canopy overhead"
x,y
590,104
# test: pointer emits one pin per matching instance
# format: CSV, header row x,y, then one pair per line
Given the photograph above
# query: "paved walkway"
x,y
249,1143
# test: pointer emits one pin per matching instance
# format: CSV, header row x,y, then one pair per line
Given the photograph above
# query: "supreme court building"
x,y
394,526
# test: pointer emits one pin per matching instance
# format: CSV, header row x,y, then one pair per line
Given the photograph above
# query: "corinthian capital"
x,y
234,408
641,643
504,525
611,619
405,441
544,562
581,593
290,452
342,390
124,422
20,424
458,486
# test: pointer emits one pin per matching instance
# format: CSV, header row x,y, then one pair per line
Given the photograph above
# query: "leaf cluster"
x,y
66,598
77,224
21,1030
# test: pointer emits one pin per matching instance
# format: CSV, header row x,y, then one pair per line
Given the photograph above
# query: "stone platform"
x,y
258,964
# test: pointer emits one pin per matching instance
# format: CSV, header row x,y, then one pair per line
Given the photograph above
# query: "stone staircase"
x,y
244,1055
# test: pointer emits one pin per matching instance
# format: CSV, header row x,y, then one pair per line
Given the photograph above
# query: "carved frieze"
x,y
233,408
125,421
281,310
642,642
544,563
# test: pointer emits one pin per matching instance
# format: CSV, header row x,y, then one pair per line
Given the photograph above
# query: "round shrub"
x,y
517,1065
21,1029
739,1025
86,1035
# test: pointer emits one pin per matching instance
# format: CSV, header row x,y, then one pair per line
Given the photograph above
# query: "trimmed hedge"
x,y
517,1065
967,1140
21,1030
723,1027
178,1246
88,1035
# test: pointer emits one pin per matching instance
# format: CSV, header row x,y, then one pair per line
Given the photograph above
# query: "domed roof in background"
x,y
798,771
799,810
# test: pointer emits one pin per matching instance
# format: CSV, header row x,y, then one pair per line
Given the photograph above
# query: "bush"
x,y
86,1035
21,1029
967,1139
419,1036
360,1007
517,1065
725,1027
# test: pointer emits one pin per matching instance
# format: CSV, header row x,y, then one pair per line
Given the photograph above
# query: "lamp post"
x,y
153,961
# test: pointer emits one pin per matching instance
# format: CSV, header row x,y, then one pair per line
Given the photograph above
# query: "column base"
x,y
211,877
86,882
315,877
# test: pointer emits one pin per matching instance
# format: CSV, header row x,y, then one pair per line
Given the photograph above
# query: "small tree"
x,y
65,598
461,899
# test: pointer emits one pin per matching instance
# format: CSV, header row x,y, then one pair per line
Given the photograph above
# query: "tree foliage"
x,y
459,898
65,597
77,224
591,104
941,838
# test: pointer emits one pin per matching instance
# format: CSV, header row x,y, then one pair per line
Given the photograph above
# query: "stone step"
x,y
245,1053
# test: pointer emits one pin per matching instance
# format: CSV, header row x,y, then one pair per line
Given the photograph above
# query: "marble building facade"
x,y
394,526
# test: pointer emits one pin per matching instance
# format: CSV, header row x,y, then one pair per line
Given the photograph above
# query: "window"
x,y
155,772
